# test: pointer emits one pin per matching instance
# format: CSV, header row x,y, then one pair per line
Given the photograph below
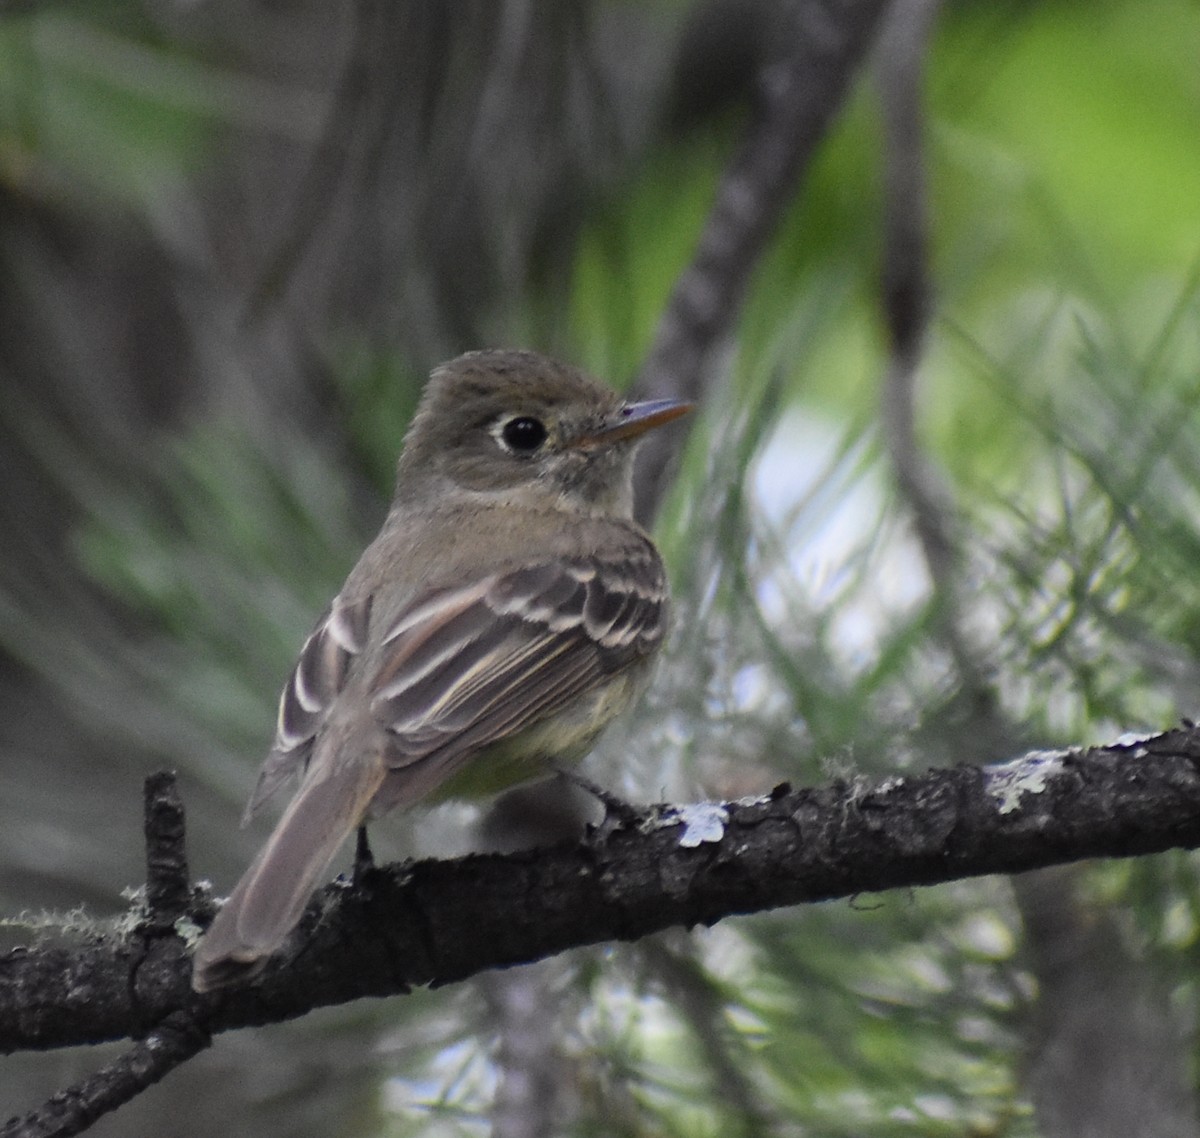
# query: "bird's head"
x,y
503,422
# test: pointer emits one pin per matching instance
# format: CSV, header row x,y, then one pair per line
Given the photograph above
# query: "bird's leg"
x,y
364,860
617,812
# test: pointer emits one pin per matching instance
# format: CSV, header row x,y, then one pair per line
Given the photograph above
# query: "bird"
x,y
509,608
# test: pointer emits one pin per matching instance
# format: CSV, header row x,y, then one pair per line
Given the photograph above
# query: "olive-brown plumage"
x,y
506,612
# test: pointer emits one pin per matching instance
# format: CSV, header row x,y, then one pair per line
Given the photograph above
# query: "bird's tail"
x,y
270,898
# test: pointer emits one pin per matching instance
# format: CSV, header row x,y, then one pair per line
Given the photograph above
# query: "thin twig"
x,y
906,301
906,288
179,1036
73,1110
799,97
168,889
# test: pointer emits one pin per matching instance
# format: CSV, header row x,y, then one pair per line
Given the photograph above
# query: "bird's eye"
x,y
523,434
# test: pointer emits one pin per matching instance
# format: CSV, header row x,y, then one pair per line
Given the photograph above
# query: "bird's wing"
x,y
318,676
469,666
464,667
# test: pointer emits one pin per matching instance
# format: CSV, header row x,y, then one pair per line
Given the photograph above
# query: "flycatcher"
x,y
506,612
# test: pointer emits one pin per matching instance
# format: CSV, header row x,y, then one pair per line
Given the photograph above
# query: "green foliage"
x,y
1058,401
88,105
377,396
630,254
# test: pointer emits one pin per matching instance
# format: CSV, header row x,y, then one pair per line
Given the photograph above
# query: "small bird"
x,y
508,609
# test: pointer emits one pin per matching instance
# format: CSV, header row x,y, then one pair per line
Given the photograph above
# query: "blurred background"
x,y
234,238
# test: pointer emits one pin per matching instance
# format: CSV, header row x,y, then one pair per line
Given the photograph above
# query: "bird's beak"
x,y
635,419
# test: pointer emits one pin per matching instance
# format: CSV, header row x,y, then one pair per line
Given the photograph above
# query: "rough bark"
x,y
438,922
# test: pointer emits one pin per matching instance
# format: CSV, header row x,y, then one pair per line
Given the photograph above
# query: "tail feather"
x,y
269,900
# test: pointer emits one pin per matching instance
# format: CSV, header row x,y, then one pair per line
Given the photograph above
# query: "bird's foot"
x,y
618,813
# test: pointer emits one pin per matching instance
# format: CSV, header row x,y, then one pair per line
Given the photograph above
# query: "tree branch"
x,y
438,922
72,1111
168,891
167,898
798,99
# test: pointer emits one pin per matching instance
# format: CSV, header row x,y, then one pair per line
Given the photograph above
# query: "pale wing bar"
x,y
469,666
317,678
528,643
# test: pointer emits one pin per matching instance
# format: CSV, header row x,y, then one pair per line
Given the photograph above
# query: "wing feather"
x,y
465,667
523,645
340,635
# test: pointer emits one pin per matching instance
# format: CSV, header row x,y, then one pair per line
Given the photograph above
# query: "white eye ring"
x,y
521,434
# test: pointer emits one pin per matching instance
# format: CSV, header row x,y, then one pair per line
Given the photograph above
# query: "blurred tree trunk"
x,y
1108,1055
